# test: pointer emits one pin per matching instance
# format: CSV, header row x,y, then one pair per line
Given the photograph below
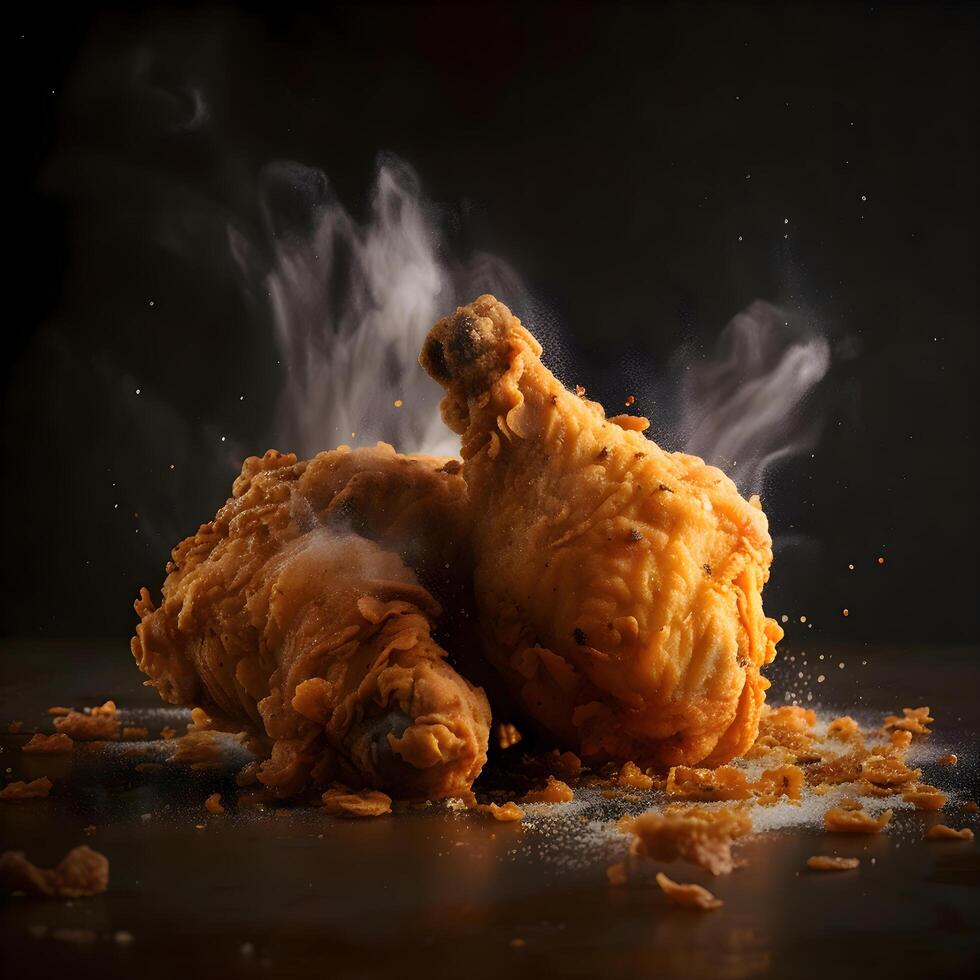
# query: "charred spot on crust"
x,y
462,341
635,535
663,488
707,569
435,358
579,636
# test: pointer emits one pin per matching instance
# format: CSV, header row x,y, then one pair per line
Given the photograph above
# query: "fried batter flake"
x,y
688,896
940,831
822,862
57,744
696,834
339,801
841,820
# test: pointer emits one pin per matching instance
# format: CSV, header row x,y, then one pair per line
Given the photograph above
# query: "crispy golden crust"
x,y
619,586
282,617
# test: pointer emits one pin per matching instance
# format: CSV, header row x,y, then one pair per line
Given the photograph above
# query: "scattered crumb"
x,y
699,835
723,783
554,791
20,790
81,872
688,896
168,733
122,937
854,821
49,744
971,806
941,832
199,749
59,710
632,776
213,804
914,721
135,732
925,797
616,873
517,943
947,760
821,862
95,723
505,812
340,801
14,727
89,830
148,767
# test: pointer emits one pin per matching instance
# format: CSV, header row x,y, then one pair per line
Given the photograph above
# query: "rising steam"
x,y
744,407
350,304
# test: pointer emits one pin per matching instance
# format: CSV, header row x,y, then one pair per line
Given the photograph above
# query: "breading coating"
x,y
298,614
618,585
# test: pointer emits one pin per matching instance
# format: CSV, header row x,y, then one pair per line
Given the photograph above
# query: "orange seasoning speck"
x,y
213,804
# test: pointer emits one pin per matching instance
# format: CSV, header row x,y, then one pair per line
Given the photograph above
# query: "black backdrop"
x,y
603,151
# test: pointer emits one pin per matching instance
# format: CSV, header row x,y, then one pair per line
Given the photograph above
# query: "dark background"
x,y
603,151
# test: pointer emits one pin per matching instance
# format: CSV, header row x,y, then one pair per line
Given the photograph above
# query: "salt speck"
x,y
137,391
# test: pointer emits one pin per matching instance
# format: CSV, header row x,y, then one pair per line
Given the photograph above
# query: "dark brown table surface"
x,y
440,893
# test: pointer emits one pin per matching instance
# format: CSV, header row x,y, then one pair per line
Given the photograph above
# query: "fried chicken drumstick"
x,y
618,585
298,614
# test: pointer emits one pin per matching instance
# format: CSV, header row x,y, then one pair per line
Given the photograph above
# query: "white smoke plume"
x,y
747,405
350,304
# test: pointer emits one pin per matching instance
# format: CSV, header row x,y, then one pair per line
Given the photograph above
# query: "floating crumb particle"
x,y
20,790
135,732
517,943
688,896
616,873
845,612
504,812
554,791
971,805
949,759
823,862
630,401
41,744
14,727
167,733
122,938
507,735
941,832
213,804
839,819
398,403
81,873
59,710
925,797
339,801
580,391
89,830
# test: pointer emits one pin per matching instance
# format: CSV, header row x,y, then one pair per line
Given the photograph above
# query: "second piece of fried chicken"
x,y
297,614
619,586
